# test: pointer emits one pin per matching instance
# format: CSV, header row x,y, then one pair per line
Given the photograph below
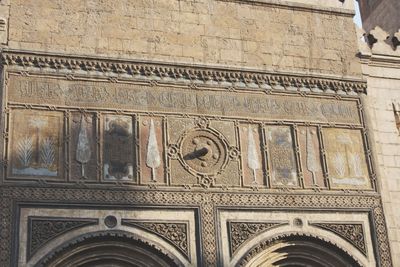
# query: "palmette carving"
x,y
35,150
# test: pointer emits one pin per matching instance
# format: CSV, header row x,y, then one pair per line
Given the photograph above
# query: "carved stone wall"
x,y
237,33
148,150
202,131
381,66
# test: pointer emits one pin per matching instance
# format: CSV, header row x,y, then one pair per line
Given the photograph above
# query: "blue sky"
x,y
357,17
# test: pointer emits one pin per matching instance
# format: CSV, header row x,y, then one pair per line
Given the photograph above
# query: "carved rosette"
x,y
241,232
354,233
203,151
175,233
41,230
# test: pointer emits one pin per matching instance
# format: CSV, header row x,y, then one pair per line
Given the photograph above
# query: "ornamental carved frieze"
x,y
197,76
41,230
353,233
241,232
175,233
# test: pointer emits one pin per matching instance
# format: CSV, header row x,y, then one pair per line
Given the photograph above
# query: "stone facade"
x,y
188,133
380,66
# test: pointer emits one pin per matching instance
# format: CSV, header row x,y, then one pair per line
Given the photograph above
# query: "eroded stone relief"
x,y
118,148
36,145
282,157
346,159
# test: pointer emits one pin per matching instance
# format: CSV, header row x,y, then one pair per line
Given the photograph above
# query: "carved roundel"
x,y
204,151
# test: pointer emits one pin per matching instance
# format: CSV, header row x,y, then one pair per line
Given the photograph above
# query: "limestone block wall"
x,y
293,35
381,69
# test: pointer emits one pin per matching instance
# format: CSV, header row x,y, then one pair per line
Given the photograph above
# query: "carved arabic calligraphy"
x,y
172,99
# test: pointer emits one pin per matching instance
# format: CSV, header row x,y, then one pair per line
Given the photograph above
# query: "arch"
x,y
297,250
108,248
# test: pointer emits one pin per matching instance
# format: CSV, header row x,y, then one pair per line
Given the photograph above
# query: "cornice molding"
x,y
182,73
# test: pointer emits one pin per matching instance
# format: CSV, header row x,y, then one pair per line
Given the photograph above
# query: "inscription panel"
x,y
254,104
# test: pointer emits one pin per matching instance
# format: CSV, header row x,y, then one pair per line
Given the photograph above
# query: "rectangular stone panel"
x,y
252,155
36,146
283,169
310,156
152,153
83,147
345,156
165,99
119,142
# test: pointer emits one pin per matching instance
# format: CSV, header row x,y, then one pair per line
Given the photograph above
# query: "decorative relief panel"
x,y
281,156
180,149
252,156
119,148
36,144
83,147
152,150
205,153
345,156
310,156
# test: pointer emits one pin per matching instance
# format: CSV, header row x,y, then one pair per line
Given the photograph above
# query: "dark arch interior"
x,y
300,251
107,251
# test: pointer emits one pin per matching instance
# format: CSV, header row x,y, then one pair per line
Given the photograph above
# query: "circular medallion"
x,y
110,221
204,151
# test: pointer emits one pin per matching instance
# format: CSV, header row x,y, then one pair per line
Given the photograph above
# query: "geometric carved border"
x,y
240,232
354,233
207,202
173,71
41,230
175,233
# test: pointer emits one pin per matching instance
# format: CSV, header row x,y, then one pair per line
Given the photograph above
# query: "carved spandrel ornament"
x,y
281,156
36,144
241,232
352,232
176,233
345,156
41,230
118,148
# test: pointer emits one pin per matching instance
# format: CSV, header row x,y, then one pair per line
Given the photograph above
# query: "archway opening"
x,y
106,250
299,251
